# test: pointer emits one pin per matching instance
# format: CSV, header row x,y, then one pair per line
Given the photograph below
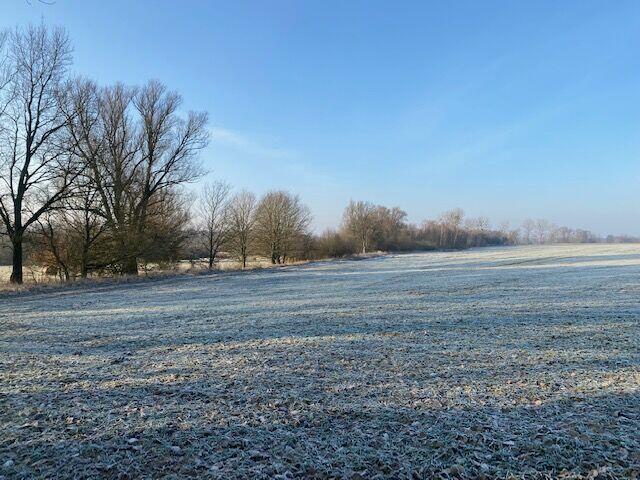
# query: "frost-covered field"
x,y
486,363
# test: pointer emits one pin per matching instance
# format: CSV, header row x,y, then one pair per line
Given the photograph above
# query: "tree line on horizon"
x,y
92,182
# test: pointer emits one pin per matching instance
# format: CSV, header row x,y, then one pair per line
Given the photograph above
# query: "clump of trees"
x,y
541,232
275,227
367,227
89,174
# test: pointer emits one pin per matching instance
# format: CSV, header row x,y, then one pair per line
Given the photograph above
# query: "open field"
x,y
496,362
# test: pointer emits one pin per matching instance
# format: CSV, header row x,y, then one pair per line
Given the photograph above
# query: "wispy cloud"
x,y
288,165
247,145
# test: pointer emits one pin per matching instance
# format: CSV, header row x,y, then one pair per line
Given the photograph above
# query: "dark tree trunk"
x,y
212,251
16,272
84,261
86,245
67,275
130,266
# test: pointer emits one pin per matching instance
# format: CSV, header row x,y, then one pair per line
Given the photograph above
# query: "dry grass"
x,y
35,278
494,363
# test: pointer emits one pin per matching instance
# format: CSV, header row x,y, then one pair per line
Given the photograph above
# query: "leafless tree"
x,y
165,233
36,168
281,220
67,235
213,215
88,227
511,234
527,228
7,70
542,229
475,229
390,227
450,222
55,248
359,220
562,235
135,147
241,223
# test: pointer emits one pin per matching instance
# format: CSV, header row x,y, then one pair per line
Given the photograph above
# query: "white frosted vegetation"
x,y
495,362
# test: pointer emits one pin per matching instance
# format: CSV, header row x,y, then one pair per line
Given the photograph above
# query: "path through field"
x,y
490,362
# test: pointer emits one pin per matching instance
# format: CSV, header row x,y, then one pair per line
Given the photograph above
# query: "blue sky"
x,y
508,109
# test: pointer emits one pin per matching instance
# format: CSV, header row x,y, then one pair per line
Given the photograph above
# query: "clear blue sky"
x,y
508,109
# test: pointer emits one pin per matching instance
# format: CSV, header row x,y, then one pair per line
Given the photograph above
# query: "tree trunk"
x,y
84,262
16,272
130,266
212,251
67,275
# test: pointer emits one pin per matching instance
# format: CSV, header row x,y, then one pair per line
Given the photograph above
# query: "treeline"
x,y
276,227
541,231
92,182
368,227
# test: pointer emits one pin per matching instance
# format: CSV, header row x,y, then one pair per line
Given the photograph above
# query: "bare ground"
x,y
491,363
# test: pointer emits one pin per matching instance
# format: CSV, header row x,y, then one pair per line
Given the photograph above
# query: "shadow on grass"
x,y
192,430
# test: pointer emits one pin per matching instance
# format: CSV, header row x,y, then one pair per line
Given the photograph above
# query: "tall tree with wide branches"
x,y
136,148
36,167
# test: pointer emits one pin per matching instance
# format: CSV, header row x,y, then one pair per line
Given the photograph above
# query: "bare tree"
x,y
504,228
165,233
55,248
475,230
542,229
67,236
359,219
281,220
390,226
241,223
136,148
213,217
7,70
511,234
450,223
527,231
562,234
91,226
36,169
86,226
